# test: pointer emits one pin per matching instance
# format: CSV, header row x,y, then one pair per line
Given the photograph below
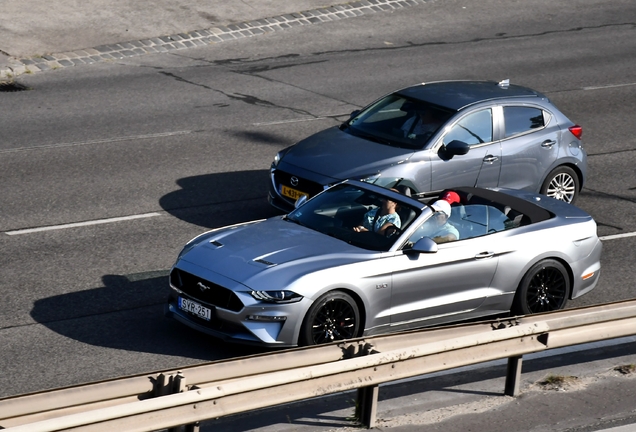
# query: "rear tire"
x,y
334,316
563,184
544,288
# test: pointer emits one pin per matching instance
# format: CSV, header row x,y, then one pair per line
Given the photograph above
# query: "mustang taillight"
x,y
576,130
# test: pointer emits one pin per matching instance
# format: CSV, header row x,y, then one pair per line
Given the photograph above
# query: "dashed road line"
x,y
81,224
618,236
608,86
98,141
296,120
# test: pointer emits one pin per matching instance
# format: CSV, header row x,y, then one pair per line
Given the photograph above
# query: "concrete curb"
x,y
198,38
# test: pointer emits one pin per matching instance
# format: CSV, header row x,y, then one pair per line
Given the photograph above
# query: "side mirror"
x,y
300,201
424,245
457,148
354,113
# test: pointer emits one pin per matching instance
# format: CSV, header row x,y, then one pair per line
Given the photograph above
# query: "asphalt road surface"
x,y
165,146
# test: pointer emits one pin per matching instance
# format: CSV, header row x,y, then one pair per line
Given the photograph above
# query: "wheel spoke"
x,y
547,291
336,320
562,187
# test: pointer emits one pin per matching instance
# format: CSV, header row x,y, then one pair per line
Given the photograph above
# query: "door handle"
x,y
548,143
484,255
490,158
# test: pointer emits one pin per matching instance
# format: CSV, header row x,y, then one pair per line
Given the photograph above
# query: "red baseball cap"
x,y
451,197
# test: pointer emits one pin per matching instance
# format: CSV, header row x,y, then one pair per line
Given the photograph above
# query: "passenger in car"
x,y
437,227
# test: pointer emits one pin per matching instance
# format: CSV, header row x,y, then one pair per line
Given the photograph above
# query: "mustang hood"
x,y
243,252
339,155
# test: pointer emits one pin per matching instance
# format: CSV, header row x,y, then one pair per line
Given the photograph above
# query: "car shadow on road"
x,y
127,314
127,311
213,200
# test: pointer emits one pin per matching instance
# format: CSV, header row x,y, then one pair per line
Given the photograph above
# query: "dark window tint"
x,y
522,119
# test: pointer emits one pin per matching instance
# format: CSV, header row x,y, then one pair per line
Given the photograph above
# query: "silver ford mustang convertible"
x,y
359,259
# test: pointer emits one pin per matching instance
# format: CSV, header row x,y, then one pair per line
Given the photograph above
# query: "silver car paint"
x,y
332,155
464,279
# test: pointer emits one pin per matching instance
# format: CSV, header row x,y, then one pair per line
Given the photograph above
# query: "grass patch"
x,y
558,382
626,369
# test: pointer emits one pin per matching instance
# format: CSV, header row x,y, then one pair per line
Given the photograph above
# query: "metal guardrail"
x,y
169,399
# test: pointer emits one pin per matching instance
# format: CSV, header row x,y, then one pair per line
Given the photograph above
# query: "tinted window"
x,y
475,128
397,121
522,119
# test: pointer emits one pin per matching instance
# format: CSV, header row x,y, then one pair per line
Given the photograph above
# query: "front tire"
x,y
334,316
544,288
563,184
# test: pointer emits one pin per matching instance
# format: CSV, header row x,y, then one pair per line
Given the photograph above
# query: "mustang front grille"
x,y
205,291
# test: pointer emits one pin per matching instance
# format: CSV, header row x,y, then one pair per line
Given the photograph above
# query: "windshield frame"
x,y
336,211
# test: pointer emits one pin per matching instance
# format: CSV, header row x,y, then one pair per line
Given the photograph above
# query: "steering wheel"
x,y
392,231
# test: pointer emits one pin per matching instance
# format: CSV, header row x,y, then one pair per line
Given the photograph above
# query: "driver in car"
x,y
423,122
381,218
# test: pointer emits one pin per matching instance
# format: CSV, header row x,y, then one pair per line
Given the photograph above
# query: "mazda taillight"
x,y
576,130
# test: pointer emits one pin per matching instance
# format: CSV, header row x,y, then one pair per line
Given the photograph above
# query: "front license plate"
x,y
195,308
292,193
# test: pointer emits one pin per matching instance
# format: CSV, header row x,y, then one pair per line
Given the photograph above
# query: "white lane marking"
x,y
81,224
99,141
298,120
608,86
618,236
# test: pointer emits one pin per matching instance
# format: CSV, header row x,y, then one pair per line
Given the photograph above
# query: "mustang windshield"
x,y
339,211
398,121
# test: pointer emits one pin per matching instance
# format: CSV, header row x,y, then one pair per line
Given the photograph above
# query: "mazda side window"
x,y
473,129
519,120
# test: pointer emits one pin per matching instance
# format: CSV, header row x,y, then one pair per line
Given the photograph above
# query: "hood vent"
x,y
216,243
262,261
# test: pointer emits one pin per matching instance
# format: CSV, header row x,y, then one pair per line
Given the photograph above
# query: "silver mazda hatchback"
x,y
439,135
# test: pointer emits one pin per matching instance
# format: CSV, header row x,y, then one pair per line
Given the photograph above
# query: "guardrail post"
x,y
368,405
171,384
513,375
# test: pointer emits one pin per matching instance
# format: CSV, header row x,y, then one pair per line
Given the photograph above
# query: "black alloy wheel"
x,y
544,288
332,317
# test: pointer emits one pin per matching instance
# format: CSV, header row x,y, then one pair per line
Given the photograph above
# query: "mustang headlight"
x,y
277,296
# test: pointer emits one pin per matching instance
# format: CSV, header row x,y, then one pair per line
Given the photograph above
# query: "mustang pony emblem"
x,y
203,287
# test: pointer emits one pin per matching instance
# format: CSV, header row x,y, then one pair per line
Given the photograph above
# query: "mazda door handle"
x,y
484,255
548,143
490,158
